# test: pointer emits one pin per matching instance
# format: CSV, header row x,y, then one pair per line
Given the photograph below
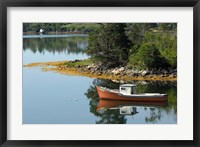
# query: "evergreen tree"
x,y
110,44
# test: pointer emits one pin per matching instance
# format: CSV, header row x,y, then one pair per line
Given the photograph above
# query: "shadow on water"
x,y
74,44
116,112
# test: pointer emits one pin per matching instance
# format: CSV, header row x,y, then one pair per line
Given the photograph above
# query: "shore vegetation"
x,y
129,48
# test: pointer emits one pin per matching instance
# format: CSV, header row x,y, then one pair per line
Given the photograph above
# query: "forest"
x,y
135,45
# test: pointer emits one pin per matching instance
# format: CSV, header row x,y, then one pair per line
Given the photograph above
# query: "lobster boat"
x,y
128,92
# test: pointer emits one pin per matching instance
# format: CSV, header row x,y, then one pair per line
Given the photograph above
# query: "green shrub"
x,y
148,56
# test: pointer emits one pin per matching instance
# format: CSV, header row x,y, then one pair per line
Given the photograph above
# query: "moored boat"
x,y
128,92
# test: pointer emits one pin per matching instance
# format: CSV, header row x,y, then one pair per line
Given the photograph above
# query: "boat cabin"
x,y
127,89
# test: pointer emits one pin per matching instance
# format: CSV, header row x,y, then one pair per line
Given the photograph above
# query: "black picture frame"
x,y
4,4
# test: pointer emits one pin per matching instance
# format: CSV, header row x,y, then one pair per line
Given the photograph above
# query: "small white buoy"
x,y
75,99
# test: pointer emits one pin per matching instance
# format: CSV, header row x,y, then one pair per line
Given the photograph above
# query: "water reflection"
x,y
74,44
110,104
131,108
108,111
128,110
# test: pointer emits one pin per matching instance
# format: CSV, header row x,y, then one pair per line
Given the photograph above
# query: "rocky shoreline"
x,y
123,72
99,71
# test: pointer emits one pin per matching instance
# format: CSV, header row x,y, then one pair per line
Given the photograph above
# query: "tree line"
x,y
59,27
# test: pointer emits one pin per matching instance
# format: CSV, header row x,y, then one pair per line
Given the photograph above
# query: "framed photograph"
x,y
95,72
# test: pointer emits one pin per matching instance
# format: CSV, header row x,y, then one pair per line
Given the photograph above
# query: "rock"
x,y
143,82
104,68
128,71
155,72
163,71
115,72
89,67
136,71
150,76
92,72
140,71
104,72
116,81
171,76
151,72
131,74
122,81
174,71
96,68
123,74
108,71
144,72
121,69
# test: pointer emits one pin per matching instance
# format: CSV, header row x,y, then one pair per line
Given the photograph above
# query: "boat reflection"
x,y
126,107
128,110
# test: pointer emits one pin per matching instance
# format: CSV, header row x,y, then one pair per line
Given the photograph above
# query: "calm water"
x,y
52,98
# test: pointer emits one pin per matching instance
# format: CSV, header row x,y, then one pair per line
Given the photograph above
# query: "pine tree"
x,y
110,44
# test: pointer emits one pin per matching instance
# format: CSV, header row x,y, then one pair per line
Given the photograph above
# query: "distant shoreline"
x,y
52,33
93,71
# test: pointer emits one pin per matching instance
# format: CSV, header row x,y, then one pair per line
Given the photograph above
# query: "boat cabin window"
x,y
123,88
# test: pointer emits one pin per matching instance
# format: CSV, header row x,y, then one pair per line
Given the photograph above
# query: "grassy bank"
x,y
79,63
